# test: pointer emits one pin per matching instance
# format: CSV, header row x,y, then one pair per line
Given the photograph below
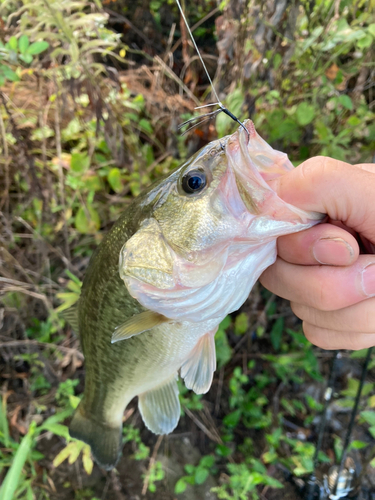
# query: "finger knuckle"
x,y
321,169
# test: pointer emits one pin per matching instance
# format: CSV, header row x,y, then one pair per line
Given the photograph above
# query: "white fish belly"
x,y
159,355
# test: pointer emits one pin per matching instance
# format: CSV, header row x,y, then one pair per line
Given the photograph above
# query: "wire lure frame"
x,y
222,109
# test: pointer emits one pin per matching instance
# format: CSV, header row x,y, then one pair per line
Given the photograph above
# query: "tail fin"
x,y
105,441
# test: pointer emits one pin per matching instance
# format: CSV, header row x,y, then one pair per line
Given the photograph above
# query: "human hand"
x,y
330,285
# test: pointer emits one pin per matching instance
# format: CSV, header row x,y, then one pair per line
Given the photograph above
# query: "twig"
x,y
46,345
262,319
43,298
5,196
61,174
202,426
151,464
56,251
120,17
178,80
195,26
219,390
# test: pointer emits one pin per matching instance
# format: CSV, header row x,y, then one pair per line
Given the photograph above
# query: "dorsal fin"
x,y
71,316
138,324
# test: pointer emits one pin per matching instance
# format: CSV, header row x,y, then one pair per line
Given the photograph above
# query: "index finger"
x,y
343,191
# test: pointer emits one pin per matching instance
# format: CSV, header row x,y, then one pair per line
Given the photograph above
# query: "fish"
x,y
183,255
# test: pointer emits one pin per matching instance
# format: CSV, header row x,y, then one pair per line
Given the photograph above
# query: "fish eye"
x,y
194,181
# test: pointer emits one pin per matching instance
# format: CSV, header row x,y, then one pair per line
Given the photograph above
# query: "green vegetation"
x,y
88,111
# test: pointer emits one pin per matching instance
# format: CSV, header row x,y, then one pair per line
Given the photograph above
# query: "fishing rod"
x,y
222,109
338,483
336,491
311,483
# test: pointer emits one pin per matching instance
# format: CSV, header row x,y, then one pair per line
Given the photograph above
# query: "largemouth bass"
x,y
185,254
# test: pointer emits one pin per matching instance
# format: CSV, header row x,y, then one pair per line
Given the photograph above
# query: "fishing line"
x,y
218,103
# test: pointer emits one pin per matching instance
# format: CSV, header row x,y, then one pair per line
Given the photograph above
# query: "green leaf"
x,y
58,430
12,478
357,445
145,125
223,349
241,324
54,419
277,333
114,180
23,43
305,114
73,277
93,182
68,299
345,101
37,47
274,483
365,41
369,417
201,474
269,456
13,43
87,220
362,352
222,450
232,419
88,464
371,29
277,60
10,74
180,486
26,58
79,162
207,461
65,453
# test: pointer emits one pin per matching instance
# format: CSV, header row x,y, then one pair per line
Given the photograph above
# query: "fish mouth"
x,y
255,163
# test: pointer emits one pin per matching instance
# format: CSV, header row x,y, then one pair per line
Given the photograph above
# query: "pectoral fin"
x,y
197,371
71,316
160,407
138,324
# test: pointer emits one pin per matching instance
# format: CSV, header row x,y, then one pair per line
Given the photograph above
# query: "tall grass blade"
x,y
12,478
4,429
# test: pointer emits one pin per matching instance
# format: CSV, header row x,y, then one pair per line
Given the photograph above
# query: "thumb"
x,y
342,191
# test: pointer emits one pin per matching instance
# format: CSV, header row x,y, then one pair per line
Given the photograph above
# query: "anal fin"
x,y
137,324
160,407
198,370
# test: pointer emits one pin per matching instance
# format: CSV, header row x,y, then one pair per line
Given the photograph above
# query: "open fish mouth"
x,y
255,163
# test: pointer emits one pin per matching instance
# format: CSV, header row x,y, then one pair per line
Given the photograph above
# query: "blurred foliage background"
x,y
91,95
